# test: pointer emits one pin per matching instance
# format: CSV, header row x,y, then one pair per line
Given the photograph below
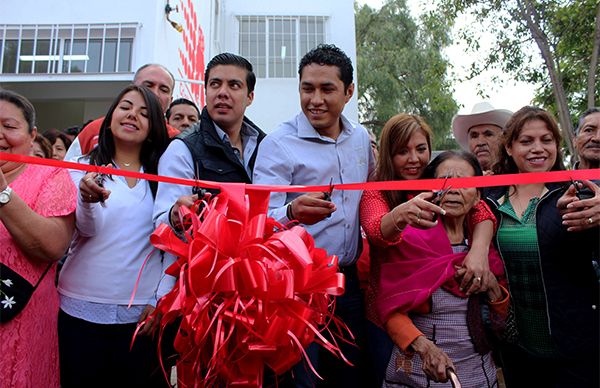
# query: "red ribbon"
x,y
250,292
417,184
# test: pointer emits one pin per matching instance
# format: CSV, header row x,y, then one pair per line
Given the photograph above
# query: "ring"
x,y
478,278
590,221
419,215
90,196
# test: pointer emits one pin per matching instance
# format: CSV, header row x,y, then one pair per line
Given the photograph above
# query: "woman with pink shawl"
x,y
421,304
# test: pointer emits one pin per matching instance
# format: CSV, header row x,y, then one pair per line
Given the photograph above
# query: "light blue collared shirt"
x,y
249,141
296,154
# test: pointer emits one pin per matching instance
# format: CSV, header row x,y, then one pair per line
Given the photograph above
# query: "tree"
x,y
401,68
558,29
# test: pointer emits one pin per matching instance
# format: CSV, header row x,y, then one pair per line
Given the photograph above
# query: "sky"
x,y
509,95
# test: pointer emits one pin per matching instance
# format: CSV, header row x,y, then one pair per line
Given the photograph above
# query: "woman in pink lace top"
x,y
37,207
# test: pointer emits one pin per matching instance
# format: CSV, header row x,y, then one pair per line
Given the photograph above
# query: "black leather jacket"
x,y
213,159
570,283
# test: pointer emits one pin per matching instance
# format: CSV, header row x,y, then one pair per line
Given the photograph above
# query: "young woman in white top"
x,y
111,243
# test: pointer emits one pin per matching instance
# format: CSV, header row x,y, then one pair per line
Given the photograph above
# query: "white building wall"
x,y
277,99
213,24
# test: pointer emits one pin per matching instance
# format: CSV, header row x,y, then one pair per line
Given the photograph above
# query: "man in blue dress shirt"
x,y
315,147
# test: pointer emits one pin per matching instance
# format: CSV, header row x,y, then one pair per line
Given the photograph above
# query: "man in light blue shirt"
x,y
315,147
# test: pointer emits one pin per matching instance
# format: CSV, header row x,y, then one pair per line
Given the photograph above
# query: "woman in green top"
x,y
550,273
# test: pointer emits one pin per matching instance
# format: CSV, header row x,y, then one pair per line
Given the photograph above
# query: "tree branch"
x,y
591,83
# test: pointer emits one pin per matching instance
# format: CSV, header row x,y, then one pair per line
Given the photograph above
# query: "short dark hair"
x,y
235,60
72,131
583,116
53,134
181,101
152,148
44,145
331,55
137,73
22,103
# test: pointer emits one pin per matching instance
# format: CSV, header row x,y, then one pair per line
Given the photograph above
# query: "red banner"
x,y
417,184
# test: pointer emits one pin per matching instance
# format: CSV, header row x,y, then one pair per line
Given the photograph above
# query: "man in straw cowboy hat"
x,y
480,132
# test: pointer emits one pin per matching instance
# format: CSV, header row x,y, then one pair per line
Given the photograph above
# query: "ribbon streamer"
x,y
417,184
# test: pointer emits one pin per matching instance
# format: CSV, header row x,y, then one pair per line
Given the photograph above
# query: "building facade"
x,y
71,58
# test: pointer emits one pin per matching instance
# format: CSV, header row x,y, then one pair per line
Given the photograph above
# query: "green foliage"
x,y
568,27
401,68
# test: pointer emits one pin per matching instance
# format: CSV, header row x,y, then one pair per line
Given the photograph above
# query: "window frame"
x,y
302,42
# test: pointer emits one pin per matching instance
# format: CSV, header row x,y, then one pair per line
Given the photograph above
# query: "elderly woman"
x,y
421,303
111,277
405,151
37,206
553,284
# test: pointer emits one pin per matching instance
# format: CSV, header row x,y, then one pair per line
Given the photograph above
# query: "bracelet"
x,y
395,223
289,212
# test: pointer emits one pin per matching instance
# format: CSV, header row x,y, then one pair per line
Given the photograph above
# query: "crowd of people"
x,y
460,283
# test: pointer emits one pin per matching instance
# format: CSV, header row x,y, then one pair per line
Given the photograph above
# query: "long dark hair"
x,y
395,135
514,126
152,148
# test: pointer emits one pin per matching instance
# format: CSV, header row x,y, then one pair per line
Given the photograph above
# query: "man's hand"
x,y
311,208
184,200
579,214
149,327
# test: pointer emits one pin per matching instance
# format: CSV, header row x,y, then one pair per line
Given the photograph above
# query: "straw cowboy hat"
x,y
482,113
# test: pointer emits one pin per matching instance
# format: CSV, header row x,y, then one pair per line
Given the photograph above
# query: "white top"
x,y
296,154
110,246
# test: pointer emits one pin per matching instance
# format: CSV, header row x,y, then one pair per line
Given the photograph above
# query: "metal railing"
x,y
66,48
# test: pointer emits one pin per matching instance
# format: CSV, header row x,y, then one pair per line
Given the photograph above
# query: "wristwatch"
x,y
5,196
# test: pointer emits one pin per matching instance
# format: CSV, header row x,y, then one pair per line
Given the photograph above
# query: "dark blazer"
x,y
570,282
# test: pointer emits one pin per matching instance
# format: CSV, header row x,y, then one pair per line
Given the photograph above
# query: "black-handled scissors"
x,y
439,195
327,194
99,179
581,193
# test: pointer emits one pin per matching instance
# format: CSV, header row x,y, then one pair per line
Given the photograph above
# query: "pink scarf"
x,y
422,262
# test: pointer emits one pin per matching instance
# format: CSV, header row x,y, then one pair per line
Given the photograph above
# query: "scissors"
x,y
327,194
439,195
99,179
581,193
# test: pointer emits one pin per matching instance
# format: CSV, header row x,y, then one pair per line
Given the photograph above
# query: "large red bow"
x,y
249,293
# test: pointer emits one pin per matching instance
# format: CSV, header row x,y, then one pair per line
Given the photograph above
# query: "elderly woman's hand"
x,y
435,361
91,189
494,292
474,275
579,214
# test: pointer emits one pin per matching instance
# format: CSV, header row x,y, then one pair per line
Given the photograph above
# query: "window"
x,y
50,49
275,44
